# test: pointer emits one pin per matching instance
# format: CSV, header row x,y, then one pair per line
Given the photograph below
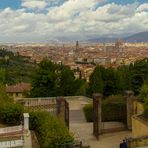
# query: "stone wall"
x,y
139,131
138,107
139,126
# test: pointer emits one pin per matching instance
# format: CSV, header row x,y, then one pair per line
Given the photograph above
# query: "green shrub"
x,y
146,108
146,112
113,109
88,111
52,132
11,113
143,93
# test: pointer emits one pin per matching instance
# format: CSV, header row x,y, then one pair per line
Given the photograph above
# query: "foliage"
x,y
67,81
2,75
3,95
143,92
52,132
113,109
51,79
139,74
83,86
15,68
44,81
111,81
88,111
103,80
124,78
96,84
144,98
146,108
11,113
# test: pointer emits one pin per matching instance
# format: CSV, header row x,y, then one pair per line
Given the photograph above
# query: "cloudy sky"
x,y
45,20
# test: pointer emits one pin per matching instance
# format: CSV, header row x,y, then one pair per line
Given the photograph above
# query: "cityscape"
x,y
73,74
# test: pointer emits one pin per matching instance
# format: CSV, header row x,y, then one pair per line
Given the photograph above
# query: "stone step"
x,y
77,116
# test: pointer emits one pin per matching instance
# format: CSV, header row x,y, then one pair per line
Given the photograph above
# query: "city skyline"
x,y
45,20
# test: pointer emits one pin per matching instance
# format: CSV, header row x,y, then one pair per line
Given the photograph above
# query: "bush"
x,y
146,112
146,108
88,111
11,113
50,130
113,109
143,93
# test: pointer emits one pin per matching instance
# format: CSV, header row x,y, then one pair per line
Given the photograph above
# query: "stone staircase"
x,y
77,116
139,142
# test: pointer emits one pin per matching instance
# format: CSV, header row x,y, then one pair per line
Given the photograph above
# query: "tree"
x,y
67,80
139,74
2,75
81,87
110,82
45,80
51,79
96,84
3,94
143,92
124,78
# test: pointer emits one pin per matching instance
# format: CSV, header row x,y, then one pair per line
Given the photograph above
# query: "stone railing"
x,y
138,142
54,98
139,132
11,143
11,130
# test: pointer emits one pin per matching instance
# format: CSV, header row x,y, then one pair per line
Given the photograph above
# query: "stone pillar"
x,y
26,133
26,121
130,110
97,114
61,108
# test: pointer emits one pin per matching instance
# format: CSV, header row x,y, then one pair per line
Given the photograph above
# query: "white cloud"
x,y
34,4
73,19
143,7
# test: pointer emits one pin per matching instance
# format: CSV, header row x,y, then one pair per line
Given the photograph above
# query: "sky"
x,y
70,20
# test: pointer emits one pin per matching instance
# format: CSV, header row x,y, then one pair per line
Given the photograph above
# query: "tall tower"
x,y
77,45
119,45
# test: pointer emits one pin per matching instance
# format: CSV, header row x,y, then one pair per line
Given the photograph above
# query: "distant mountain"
x,y
103,40
138,37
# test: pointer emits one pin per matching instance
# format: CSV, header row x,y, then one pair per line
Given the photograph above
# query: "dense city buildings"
x,y
83,57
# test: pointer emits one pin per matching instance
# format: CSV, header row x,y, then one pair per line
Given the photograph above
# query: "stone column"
x,y
97,114
129,103
26,121
26,133
61,108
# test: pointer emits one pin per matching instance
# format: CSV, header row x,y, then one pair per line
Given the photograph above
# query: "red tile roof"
x,y
18,88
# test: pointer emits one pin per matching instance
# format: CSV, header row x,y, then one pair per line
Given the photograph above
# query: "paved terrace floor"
x,y
83,130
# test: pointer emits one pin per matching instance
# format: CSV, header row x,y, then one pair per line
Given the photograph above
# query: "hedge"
x,y
146,108
113,109
11,113
88,112
51,131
